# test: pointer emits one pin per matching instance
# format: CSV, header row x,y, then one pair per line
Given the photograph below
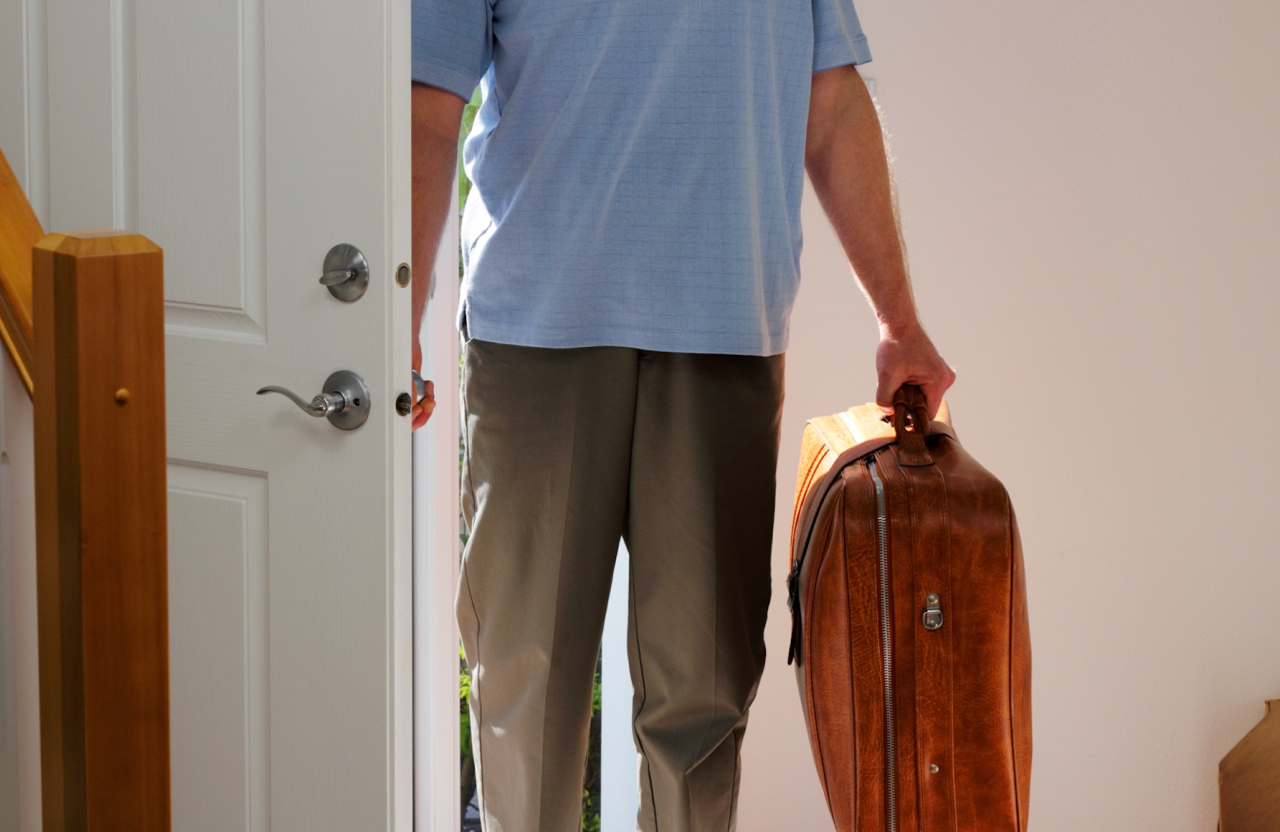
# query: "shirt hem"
x,y
841,53
653,342
451,79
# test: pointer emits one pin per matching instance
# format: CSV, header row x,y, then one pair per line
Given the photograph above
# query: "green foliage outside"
x,y
464,184
591,784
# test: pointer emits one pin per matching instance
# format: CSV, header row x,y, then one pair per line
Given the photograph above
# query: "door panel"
x,y
246,138
200,156
263,135
218,686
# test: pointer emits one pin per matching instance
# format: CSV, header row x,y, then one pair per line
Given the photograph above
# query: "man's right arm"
x,y
436,116
847,163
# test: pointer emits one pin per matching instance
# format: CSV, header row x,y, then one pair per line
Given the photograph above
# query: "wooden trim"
x,y
1249,778
19,231
101,533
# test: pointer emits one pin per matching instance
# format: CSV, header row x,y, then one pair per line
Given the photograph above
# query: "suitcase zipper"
x,y
886,648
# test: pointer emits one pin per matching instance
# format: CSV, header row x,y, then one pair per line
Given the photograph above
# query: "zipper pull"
x,y
932,617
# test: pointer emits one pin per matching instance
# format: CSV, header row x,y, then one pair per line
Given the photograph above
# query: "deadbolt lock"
x,y
346,273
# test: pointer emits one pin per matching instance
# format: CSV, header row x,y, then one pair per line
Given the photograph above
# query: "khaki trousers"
x,y
567,450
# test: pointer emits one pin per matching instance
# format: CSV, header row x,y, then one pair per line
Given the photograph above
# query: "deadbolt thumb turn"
x,y
346,273
344,402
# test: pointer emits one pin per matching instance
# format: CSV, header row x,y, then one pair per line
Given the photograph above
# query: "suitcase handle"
x,y
910,401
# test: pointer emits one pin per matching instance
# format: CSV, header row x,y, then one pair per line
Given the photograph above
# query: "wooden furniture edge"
x,y
19,231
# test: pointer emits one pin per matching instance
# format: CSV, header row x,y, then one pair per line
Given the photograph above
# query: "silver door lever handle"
x,y
345,403
321,405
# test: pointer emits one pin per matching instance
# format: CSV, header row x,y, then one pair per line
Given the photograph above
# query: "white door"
x,y
258,134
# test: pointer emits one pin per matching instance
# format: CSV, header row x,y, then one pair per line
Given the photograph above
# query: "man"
x,y
632,244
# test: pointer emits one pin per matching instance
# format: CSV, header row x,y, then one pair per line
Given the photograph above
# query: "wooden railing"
x,y
83,319
1249,778
19,231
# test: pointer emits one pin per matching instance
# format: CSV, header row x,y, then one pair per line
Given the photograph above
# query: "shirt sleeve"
x,y
452,43
837,35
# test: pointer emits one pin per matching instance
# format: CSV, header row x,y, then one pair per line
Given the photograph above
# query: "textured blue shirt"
x,y
636,165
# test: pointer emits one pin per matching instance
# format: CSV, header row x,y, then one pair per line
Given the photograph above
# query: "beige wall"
x,y
1091,195
19,691
22,139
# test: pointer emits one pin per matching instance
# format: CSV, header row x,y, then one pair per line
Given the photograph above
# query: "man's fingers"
x,y
911,359
933,399
884,392
423,408
420,416
933,388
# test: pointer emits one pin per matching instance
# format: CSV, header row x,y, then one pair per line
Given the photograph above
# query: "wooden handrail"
x,y
1249,778
19,231
101,532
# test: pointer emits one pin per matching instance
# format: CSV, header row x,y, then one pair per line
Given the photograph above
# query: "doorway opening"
x,y
445,775
469,809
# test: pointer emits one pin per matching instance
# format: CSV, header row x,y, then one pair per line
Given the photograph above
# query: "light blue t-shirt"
x,y
637,165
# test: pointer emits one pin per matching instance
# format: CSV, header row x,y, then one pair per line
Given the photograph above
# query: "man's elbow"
x,y
819,153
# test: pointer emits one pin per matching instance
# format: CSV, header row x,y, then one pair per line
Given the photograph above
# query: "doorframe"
x,y
436,553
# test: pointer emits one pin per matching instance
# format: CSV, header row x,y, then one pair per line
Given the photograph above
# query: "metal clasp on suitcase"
x,y
932,617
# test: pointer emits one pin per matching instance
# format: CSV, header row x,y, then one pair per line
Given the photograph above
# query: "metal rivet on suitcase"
x,y
933,768
932,617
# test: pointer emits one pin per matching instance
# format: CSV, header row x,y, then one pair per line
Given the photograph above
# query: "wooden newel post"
x,y
101,524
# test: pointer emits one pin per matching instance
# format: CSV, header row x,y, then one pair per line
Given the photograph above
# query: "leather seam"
x,y
913,541
810,510
1013,745
950,645
808,666
814,464
806,639
853,700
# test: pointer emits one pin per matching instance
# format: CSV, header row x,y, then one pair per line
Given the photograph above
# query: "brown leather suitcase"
x,y
909,626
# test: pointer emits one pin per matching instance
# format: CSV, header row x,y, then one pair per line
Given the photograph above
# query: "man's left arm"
x,y
846,161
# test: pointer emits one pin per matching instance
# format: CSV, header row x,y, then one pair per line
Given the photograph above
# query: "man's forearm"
x,y
437,115
846,161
